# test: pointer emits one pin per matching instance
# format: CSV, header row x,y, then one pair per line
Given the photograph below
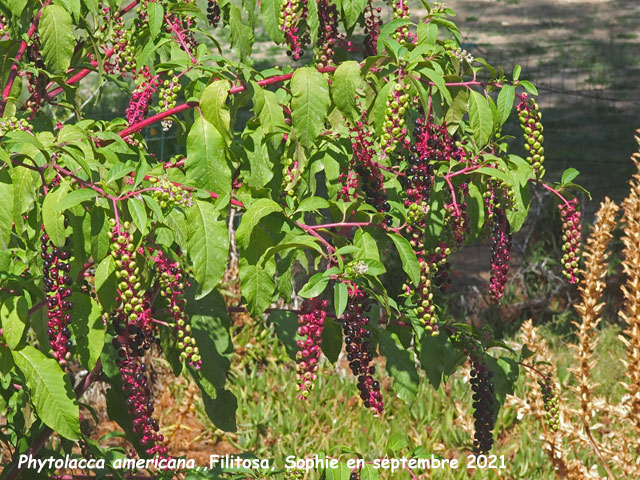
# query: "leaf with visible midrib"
x,y
208,244
51,392
346,80
257,288
409,260
206,163
52,217
310,104
56,35
481,118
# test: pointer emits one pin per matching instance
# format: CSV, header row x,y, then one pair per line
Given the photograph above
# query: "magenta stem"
x,y
13,72
554,191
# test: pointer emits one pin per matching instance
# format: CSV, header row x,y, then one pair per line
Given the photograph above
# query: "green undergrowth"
x,y
273,423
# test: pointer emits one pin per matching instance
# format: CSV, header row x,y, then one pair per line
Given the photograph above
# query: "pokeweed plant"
x,y
356,158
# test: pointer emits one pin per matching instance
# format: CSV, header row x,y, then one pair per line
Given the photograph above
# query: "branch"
x,y
21,49
552,190
186,106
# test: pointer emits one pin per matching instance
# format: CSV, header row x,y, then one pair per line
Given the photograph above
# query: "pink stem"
x,y
21,49
554,191
180,38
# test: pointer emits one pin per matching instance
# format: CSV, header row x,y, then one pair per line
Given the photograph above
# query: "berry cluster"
x,y
172,284
13,124
359,349
530,121
310,325
37,82
289,178
141,97
170,195
123,57
57,285
370,177
551,402
168,95
292,14
372,25
349,185
499,194
500,253
484,405
355,475
571,235
402,34
395,130
4,28
180,28
134,309
140,405
328,34
213,13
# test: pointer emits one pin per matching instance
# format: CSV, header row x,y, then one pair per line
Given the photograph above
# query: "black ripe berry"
x,y
484,405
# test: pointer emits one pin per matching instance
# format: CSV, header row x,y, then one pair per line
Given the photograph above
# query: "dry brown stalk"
x,y
631,291
593,284
617,446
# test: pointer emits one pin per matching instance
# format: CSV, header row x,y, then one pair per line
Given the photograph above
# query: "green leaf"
x,y
208,244
400,365
286,325
388,29
88,329
250,219
52,217
516,73
257,288
369,472
377,113
346,81
367,246
410,263
138,214
6,360
352,11
270,17
438,357
6,213
57,38
438,81
155,13
397,442
51,392
529,87
341,472
241,33
214,108
222,410
505,102
269,111
76,197
458,108
505,375
106,283
340,298
206,163
13,315
309,104
569,175
315,286
312,204
331,340
480,118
